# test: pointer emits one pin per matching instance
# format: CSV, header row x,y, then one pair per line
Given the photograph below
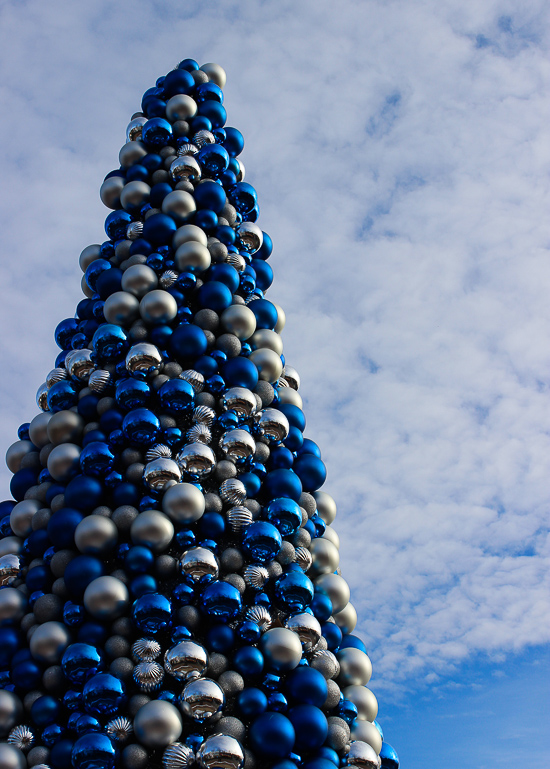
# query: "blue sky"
x,y
400,151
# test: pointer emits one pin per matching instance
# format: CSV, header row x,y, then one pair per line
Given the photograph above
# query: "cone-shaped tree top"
x,y
170,592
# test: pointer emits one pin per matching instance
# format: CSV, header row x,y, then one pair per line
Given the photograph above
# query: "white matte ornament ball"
x,y
180,107
189,232
15,454
11,711
157,724
38,430
139,279
366,732
95,535
264,337
216,73
121,308
49,641
325,557
131,153
64,461
134,195
355,667
332,536
158,306
336,588
281,318
110,190
89,255
183,503
152,529
364,700
193,256
12,604
239,319
106,597
21,516
282,648
179,204
346,619
268,363
326,506
288,395
11,757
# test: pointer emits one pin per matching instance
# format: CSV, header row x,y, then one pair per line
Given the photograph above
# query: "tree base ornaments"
x,y
170,593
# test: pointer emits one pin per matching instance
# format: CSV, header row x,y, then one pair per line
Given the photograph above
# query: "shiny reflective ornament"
x,y
186,660
237,444
233,491
10,566
185,167
160,472
195,379
336,588
292,377
178,756
157,451
148,676
21,737
188,149
199,564
134,231
201,699
249,237
220,751
55,375
362,755
42,397
79,364
303,558
256,576
236,260
238,518
197,460
157,724
306,627
144,358
133,131
99,380
203,137
119,729
146,649
199,434
241,400
168,278
260,615
204,415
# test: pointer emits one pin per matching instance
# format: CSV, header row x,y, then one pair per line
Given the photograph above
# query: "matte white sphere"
x,y
12,604
239,319
121,308
110,190
332,536
326,506
355,667
336,588
288,395
15,454
179,204
157,724
134,195
11,757
325,557
281,318
10,546
366,732
189,232
21,516
106,597
139,279
183,503
11,711
268,363
64,461
38,429
264,337
158,306
90,253
130,153
49,641
346,619
193,256
152,529
180,107
65,427
215,73
95,535
282,648
364,700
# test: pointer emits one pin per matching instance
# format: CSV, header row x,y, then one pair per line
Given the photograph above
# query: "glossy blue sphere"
x,y
307,686
310,725
261,541
92,751
96,459
390,759
80,661
233,142
103,694
240,372
116,225
132,393
176,396
221,600
311,470
152,613
210,195
285,514
141,427
283,483
272,735
109,342
62,395
293,591
156,133
213,159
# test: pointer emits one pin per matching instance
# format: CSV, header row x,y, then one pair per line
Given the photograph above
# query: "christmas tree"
x,y
170,591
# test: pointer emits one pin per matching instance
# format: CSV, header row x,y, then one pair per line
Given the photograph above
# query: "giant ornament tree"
x,y
170,592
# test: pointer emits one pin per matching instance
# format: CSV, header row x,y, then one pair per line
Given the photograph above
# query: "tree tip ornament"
x,y
169,587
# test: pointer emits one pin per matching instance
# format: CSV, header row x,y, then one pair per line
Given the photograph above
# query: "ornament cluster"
x,y
170,594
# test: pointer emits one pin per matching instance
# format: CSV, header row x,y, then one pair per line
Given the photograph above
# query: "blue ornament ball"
x,y
310,725
221,600
91,751
265,313
285,514
240,372
272,735
251,702
261,541
80,661
283,483
188,341
293,591
311,471
103,695
390,759
152,613
210,195
307,686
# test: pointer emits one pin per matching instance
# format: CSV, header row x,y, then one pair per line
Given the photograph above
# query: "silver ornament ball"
x,y
106,597
157,724
152,529
239,320
183,503
139,279
95,535
158,306
121,308
49,641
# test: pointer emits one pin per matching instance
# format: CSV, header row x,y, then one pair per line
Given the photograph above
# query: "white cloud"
x,y
400,154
